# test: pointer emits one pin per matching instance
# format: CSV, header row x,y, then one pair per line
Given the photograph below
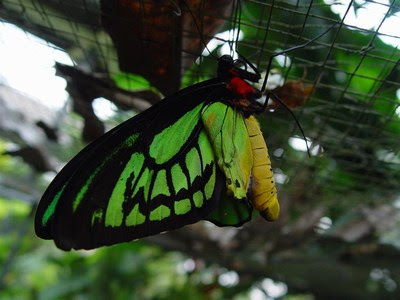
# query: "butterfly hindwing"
x,y
230,140
153,173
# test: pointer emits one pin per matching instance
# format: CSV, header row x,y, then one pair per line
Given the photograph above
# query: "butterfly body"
x,y
187,158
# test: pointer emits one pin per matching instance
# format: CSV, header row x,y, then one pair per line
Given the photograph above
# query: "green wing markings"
x,y
182,207
168,142
135,217
179,180
114,213
206,151
198,198
127,143
160,213
207,157
210,185
148,184
171,180
142,181
193,164
97,216
191,183
52,206
129,178
160,185
82,192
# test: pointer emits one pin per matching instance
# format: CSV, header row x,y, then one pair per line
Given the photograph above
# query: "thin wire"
x,y
292,49
275,97
231,40
266,33
303,27
198,29
239,9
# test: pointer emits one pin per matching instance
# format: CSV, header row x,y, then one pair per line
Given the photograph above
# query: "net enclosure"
x,y
343,85
348,77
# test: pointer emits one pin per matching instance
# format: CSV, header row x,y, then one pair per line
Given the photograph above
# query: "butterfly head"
x,y
228,68
244,95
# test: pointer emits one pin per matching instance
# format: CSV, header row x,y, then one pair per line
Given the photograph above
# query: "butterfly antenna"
x,y
198,29
292,49
275,97
253,67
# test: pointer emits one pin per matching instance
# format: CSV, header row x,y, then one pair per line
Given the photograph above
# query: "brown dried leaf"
x,y
293,93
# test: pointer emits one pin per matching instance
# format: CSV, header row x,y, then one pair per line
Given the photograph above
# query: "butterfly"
x,y
196,155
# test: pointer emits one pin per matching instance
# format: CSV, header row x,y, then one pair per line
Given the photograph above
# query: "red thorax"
x,y
239,86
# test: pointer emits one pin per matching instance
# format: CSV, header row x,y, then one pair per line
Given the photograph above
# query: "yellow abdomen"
x,y
263,190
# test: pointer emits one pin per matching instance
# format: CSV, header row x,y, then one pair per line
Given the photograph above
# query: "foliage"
x,y
127,271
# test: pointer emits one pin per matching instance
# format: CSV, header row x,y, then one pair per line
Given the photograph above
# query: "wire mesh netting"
x,y
334,62
351,116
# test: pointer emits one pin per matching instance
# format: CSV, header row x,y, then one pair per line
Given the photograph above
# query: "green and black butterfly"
x,y
198,154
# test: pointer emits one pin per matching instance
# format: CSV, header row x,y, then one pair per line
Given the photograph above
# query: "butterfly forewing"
x,y
153,173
